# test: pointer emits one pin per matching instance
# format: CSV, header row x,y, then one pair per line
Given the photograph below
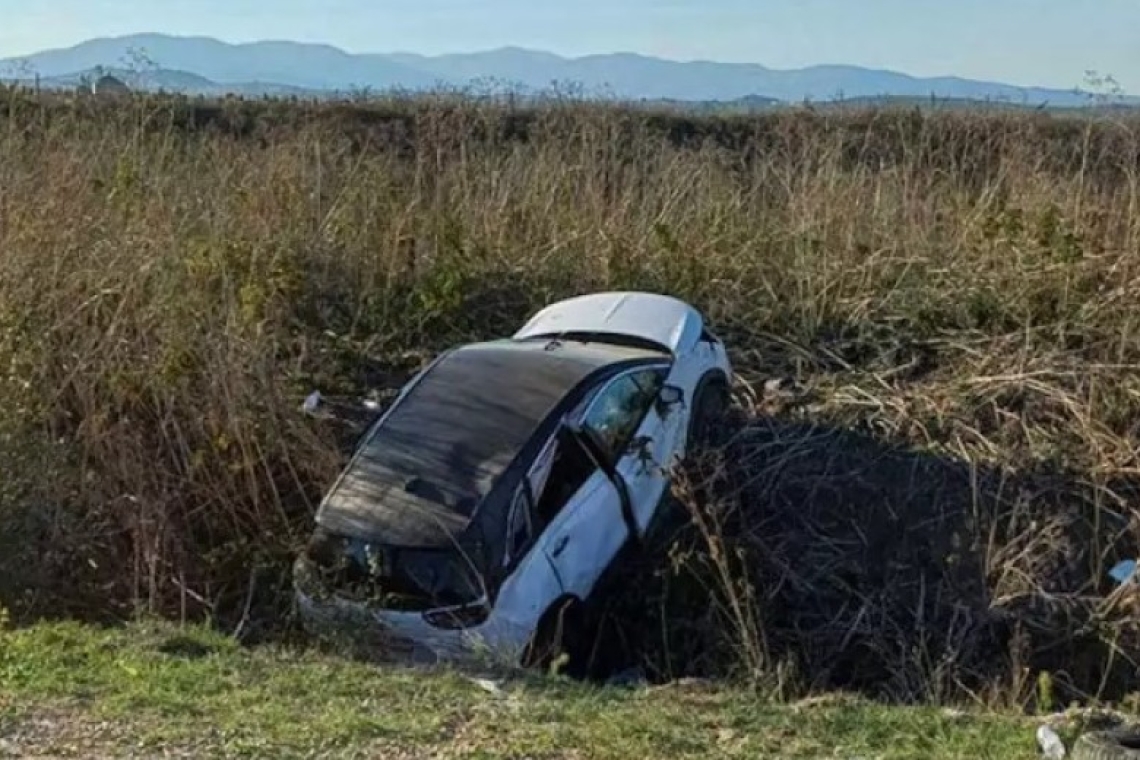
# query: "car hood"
x,y
660,320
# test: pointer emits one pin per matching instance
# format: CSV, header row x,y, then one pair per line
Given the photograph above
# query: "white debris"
x,y
489,686
779,386
1052,748
952,713
312,403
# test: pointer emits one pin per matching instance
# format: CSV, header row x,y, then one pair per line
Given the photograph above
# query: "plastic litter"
x,y
312,403
1052,748
1124,572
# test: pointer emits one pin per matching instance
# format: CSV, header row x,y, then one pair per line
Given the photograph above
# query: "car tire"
x,y
560,633
1119,744
710,403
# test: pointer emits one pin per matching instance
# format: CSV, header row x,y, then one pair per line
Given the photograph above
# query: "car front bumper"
x,y
354,623
390,635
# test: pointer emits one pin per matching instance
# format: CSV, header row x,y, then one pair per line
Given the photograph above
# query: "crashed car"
x,y
481,510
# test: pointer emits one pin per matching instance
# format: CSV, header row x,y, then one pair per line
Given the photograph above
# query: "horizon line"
x,y
540,51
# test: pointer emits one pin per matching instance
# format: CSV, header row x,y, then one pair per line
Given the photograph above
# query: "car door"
x,y
531,586
580,517
638,437
645,465
587,537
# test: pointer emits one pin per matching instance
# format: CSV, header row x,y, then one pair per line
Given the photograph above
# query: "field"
x,y
936,452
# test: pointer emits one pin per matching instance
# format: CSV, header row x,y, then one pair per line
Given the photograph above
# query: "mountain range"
x,y
202,65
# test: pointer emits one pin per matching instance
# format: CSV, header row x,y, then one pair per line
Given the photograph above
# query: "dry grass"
x,y
958,288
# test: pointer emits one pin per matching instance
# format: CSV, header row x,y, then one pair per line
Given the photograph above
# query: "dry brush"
x,y
957,289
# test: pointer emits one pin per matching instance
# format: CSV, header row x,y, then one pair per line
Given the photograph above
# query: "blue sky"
x,y
1046,42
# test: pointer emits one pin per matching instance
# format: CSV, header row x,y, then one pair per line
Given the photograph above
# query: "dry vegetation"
x,y
930,512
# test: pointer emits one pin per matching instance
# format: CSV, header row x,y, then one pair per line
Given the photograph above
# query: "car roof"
x,y
425,470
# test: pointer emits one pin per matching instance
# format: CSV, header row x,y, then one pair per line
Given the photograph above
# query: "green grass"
x,y
151,686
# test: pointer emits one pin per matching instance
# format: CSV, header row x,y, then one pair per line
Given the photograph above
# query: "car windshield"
x,y
422,476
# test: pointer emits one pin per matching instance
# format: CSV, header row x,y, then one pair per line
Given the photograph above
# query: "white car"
x,y
482,509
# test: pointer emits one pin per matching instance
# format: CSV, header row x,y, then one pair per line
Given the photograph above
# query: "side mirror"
x,y
669,397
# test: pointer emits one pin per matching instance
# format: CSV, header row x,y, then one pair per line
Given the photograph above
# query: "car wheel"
x,y
709,407
559,640
1108,745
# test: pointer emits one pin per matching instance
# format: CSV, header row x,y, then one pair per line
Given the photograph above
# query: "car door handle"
x,y
560,546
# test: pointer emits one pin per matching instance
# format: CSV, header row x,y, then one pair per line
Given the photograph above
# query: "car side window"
x,y
617,412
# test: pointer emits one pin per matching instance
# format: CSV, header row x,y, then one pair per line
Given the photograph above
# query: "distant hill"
x,y
317,67
208,66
